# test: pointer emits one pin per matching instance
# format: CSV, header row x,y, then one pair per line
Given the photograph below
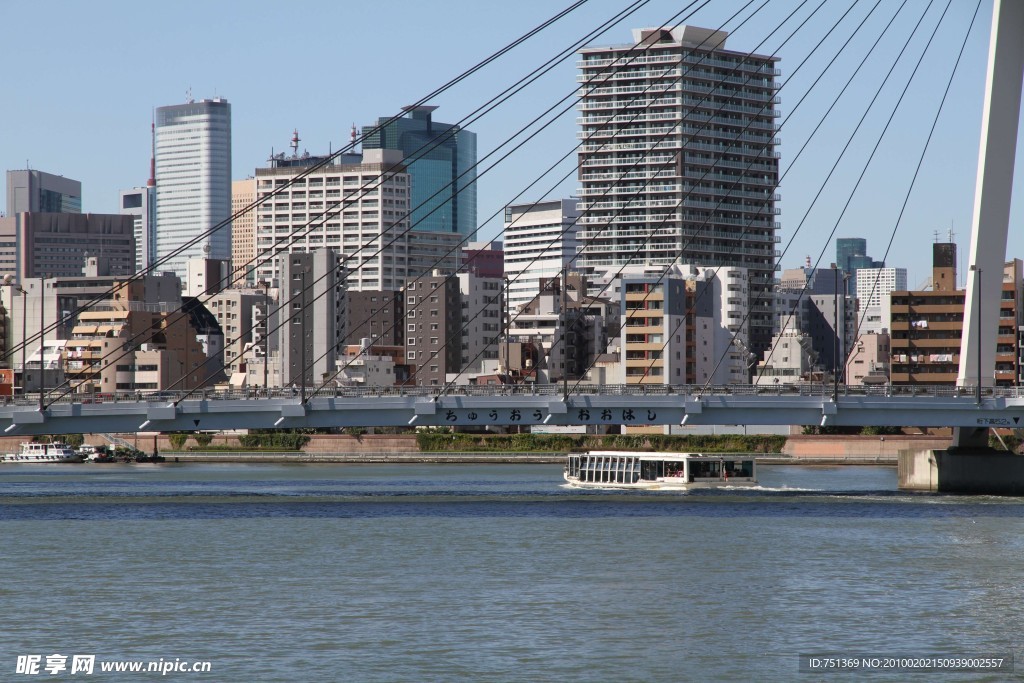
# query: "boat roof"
x,y
649,455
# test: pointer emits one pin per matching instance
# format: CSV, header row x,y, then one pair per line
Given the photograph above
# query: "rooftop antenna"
x,y
188,95
353,136
295,142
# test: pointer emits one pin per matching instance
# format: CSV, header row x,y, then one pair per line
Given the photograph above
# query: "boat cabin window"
x,y
705,469
739,468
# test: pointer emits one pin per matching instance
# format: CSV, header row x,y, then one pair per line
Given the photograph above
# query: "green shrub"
x,y
562,443
177,440
249,440
203,439
274,440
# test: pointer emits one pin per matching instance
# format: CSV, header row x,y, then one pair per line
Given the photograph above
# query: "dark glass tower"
x,y
851,256
441,160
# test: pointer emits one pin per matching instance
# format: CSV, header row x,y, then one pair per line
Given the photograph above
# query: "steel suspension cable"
x,y
874,150
227,222
717,269
637,250
920,161
274,250
283,304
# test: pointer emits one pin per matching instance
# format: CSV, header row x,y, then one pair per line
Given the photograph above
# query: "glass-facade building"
x,y
193,181
441,160
851,256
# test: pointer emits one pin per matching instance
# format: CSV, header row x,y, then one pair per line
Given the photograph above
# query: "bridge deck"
x,y
519,405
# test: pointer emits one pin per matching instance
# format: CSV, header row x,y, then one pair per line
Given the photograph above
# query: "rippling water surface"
x,y
494,572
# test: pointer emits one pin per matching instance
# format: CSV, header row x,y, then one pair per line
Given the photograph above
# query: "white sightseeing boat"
x,y
666,471
44,452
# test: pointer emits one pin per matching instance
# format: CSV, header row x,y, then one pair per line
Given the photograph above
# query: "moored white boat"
x,y
666,471
43,452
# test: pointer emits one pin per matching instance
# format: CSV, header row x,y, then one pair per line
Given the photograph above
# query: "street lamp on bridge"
x,y
266,330
9,281
977,288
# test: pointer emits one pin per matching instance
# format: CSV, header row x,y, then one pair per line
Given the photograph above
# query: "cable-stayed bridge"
x,y
72,408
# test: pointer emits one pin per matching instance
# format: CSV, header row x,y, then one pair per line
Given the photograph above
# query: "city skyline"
x,y
46,133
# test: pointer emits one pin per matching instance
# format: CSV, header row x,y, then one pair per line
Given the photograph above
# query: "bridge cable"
x,y
637,250
441,260
301,176
493,299
920,162
770,192
277,249
871,157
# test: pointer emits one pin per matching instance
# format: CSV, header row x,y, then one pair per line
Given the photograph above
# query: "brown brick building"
x,y
927,326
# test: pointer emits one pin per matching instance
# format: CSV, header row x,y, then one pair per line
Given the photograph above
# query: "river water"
x,y
495,573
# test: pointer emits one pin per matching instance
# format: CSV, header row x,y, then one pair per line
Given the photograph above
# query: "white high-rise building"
x,y
677,162
482,311
540,240
193,181
873,288
359,209
140,204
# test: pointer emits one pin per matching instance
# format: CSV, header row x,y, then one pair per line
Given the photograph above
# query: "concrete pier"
x,y
978,472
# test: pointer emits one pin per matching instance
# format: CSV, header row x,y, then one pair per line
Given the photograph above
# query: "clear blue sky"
x,y
83,78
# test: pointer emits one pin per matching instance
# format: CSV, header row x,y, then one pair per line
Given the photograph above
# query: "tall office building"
x,y
873,288
58,244
243,232
140,204
357,207
193,181
851,256
482,310
540,240
433,337
441,158
678,160
37,191
309,292
814,302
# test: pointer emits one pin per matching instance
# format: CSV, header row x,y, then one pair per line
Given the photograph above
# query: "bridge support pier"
x,y
962,470
971,438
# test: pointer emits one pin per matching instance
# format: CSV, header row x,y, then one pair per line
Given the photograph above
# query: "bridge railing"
x,y
824,391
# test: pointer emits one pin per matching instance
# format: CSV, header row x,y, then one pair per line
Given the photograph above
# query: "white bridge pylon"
x,y
993,191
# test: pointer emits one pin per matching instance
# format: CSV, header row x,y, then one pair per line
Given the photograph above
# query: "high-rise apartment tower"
x,y
677,162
